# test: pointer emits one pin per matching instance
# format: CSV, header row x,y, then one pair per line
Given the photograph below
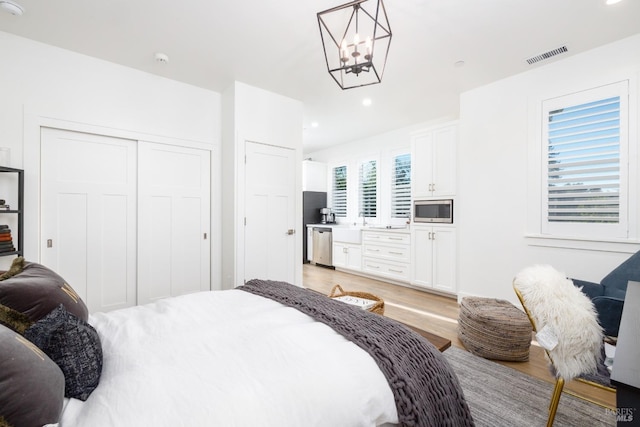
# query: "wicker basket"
x,y
377,308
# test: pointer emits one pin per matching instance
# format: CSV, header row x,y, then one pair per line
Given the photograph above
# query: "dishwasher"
x,y
322,246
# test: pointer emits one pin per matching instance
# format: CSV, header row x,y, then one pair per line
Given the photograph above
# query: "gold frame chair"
x,y
559,386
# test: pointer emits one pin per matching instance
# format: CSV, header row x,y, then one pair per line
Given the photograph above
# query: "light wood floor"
x,y
438,314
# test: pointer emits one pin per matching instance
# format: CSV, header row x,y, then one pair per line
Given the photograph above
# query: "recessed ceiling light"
x,y
366,102
610,2
12,7
314,124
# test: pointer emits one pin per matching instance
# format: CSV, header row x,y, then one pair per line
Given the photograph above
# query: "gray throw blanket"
x,y
426,390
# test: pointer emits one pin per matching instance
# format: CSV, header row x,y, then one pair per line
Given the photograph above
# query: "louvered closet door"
x,y
174,250
88,215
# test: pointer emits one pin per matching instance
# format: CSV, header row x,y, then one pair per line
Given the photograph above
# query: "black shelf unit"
x,y
19,212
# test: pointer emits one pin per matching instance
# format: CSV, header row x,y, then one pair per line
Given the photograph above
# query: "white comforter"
x,y
229,358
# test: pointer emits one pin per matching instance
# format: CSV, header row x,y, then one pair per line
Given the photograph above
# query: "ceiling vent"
x,y
546,55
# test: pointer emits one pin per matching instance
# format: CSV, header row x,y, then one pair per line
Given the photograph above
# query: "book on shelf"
x,y
363,303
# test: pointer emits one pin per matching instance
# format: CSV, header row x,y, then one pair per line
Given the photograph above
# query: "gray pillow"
x,y
31,385
36,290
74,345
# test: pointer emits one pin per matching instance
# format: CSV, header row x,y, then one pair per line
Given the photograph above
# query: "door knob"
x,y
290,231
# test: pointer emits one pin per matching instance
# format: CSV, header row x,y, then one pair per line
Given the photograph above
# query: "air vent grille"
x,y
546,55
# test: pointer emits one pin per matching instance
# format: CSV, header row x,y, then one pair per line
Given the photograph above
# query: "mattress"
x,y
229,358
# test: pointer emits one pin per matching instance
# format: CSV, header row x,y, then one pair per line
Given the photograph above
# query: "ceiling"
x,y
275,45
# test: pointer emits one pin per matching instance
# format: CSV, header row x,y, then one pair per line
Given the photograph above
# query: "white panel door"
x,y
88,215
270,213
174,250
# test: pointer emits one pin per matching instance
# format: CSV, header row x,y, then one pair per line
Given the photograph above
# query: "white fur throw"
x,y
553,301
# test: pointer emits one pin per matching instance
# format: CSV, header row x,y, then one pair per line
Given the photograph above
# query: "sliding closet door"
x,y
174,250
88,215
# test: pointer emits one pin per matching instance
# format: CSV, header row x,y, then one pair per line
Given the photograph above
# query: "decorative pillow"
x,y
16,267
74,345
15,320
36,290
31,385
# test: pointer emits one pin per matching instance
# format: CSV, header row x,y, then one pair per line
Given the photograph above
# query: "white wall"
x,y
44,84
257,115
493,211
378,146
495,163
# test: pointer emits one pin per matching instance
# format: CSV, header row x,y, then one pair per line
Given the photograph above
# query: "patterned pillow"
x,y
31,385
74,346
36,290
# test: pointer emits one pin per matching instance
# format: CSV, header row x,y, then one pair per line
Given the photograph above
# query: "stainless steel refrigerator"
x,y
312,202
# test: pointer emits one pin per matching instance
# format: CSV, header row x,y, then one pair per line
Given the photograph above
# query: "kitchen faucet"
x,y
364,218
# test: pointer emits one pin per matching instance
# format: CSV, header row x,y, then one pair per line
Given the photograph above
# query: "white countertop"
x,y
368,227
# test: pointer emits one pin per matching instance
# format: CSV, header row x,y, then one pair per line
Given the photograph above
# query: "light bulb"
x,y
367,45
344,52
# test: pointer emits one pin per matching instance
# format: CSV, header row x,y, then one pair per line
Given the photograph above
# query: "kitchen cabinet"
x,y
387,254
347,255
434,257
433,154
314,176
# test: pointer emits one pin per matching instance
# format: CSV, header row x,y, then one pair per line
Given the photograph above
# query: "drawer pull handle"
x,y
395,238
395,253
373,266
396,271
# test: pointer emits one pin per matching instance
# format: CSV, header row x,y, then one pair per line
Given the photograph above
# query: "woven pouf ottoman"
x,y
494,329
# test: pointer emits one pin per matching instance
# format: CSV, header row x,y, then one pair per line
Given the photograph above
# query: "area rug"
x,y
500,396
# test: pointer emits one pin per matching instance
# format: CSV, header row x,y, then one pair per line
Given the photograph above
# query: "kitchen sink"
x,y
347,235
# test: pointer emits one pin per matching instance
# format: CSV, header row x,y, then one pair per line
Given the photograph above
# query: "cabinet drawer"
x,y
385,268
386,237
395,253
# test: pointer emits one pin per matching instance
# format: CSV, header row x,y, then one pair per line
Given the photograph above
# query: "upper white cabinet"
x,y
433,153
314,176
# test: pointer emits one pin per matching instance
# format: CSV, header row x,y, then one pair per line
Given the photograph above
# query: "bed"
x,y
264,354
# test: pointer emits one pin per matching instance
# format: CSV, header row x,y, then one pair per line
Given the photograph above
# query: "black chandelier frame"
x,y
347,62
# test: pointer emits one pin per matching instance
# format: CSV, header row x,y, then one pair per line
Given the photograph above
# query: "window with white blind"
x,y
401,186
368,189
585,163
339,192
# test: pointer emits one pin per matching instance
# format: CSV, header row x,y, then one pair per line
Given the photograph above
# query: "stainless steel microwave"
x,y
433,211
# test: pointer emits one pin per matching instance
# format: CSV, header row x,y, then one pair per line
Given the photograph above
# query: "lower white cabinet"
x,y
387,254
347,255
434,257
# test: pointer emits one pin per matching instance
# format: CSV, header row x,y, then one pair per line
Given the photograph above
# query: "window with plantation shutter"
x,y
368,189
585,150
339,192
401,186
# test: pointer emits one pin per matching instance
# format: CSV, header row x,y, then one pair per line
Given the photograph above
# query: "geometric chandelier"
x,y
356,38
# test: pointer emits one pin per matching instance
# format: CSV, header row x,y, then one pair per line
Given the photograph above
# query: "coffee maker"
x,y
324,215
